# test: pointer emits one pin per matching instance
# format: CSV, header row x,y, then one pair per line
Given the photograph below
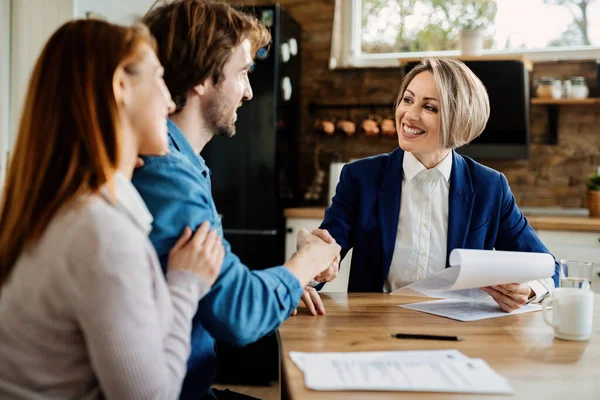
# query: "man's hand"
x,y
313,257
511,296
332,272
312,301
311,297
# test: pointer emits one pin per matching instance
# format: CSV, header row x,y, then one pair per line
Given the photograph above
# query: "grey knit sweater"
x,y
87,313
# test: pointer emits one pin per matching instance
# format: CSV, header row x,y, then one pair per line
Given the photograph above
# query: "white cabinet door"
x,y
293,225
582,246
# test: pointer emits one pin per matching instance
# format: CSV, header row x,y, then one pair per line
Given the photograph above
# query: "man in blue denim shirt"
x,y
206,49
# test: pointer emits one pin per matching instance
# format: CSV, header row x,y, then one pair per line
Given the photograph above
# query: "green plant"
x,y
477,14
594,181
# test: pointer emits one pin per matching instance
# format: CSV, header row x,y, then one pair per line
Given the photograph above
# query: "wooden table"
x,y
520,347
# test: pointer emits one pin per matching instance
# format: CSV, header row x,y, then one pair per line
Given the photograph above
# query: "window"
x,y
379,32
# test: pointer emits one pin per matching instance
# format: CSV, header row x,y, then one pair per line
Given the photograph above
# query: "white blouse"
x,y
421,239
422,234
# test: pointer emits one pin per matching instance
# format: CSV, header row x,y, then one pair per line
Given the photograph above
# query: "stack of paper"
x,y
415,371
467,310
471,269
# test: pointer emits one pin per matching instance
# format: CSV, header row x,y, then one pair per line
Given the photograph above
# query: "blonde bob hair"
x,y
464,102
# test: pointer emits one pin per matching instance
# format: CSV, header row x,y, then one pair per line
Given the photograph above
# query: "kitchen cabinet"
x,y
581,246
293,225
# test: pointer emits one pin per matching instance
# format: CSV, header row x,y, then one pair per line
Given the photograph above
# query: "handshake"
x,y
317,258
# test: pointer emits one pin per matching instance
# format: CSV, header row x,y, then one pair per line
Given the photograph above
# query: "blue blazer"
x,y
482,214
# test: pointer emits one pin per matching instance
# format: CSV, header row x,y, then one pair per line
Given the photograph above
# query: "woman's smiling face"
x,y
417,116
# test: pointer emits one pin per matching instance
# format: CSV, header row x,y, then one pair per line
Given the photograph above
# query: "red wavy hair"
x,y
69,135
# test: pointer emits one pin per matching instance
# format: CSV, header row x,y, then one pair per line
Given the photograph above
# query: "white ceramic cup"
x,y
572,313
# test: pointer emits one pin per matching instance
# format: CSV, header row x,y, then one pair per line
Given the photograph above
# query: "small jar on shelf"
x,y
549,88
578,88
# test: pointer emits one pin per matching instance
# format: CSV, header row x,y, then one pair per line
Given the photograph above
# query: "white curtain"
x,y
342,35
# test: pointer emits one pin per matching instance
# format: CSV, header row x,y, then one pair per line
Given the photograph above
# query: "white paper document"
x,y
428,355
478,268
402,371
471,269
467,310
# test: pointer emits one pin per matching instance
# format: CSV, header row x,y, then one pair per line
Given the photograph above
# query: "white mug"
x,y
572,313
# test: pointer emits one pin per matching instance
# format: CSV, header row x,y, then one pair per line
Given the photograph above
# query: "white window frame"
x,y
347,52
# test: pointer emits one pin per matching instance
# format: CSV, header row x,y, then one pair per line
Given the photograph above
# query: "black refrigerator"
x,y
254,174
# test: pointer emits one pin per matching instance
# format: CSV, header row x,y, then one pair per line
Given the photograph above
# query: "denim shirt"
x,y
242,305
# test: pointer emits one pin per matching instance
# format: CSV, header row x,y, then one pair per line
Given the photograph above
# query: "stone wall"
x,y
554,175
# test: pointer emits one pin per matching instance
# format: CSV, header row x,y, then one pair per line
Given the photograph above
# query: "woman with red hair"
x,y
85,309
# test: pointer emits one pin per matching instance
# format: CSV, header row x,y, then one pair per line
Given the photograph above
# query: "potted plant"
x,y
477,16
593,195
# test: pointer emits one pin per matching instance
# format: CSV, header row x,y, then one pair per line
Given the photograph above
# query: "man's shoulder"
x,y
171,169
170,179
174,159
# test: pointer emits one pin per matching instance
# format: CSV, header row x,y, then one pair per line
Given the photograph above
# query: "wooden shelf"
x,y
552,105
588,101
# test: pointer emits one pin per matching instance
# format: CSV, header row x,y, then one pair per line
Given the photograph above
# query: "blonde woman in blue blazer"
x,y
404,212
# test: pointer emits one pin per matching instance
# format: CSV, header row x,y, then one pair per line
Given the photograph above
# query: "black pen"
x,y
426,337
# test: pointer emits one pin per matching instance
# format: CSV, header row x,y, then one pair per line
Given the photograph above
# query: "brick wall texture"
x,y
553,175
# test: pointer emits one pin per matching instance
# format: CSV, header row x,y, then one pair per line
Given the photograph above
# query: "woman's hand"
x,y
314,256
311,298
332,272
511,296
201,253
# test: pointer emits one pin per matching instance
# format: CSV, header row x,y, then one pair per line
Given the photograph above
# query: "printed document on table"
x,y
300,358
421,374
472,269
467,310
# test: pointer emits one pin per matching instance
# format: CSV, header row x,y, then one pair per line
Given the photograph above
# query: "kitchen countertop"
x,y
537,221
